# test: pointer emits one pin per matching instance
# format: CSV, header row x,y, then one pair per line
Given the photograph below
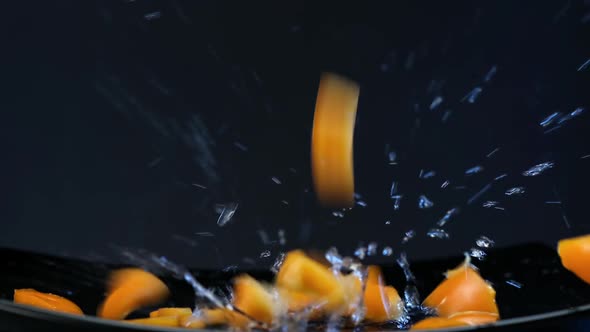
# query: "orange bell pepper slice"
x,y
166,321
302,274
382,303
475,317
129,290
469,318
252,298
332,140
171,312
463,290
575,255
46,301
210,317
431,323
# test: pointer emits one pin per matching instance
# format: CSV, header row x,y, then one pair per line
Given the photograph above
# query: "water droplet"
x,y
490,74
403,263
489,204
424,202
446,116
474,170
538,169
333,256
387,222
338,214
437,233
550,119
445,184
514,283
265,254
515,191
387,251
393,189
408,236
231,268
585,65
372,249
276,180
226,213
428,174
152,16
392,158
361,203
477,253
360,252
276,266
396,201
484,242
472,95
282,238
436,102
448,215
501,176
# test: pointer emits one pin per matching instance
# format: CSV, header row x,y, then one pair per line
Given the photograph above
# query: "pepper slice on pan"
x,y
46,301
575,255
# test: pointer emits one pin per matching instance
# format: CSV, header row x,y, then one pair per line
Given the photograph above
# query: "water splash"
x,y
514,283
396,201
549,119
278,263
477,253
515,191
387,251
474,170
448,215
585,65
338,214
491,73
436,102
472,95
372,249
437,233
489,204
360,252
227,212
424,202
265,254
538,169
484,242
428,175
408,236
478,194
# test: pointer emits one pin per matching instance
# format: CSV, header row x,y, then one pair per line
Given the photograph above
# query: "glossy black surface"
x,y
548,294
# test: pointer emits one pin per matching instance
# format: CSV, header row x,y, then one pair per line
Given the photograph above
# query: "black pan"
x,y
548,297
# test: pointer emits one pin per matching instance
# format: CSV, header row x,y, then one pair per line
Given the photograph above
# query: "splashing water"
x,y
265,254
514,283
489,204
360,252
550,119
437,233
424,202
474,170
448,215
387,251
490,74
372,249
408,236
227,212
278,263
472,95
436,102
538,169
515,191
396,201
477,253
338,214
484,242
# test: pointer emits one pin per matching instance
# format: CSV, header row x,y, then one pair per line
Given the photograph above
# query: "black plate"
x,y
548,296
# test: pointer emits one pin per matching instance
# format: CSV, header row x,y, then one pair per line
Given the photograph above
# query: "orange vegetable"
x,y
46,301
575,255
255,300
463,290
475,317
431,323
209,317
129,290
167,321
382,303
332,140
174,312
302,274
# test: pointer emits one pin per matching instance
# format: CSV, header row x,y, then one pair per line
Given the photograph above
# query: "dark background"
x,y
113,110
